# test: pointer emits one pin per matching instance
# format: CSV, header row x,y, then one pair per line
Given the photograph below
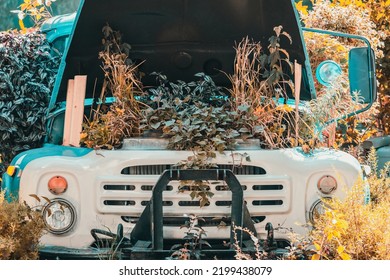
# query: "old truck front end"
x,y
97,195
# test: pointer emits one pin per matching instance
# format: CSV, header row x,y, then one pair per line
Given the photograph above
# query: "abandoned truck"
x,y
129,196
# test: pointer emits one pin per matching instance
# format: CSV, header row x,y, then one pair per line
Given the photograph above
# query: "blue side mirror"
x,y
362,74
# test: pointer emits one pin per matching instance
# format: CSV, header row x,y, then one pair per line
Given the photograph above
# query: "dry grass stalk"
x,y
258,82
107,129
21,227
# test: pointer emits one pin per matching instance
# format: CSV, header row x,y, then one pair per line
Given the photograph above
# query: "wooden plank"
x,y
68,113
80,85
297,95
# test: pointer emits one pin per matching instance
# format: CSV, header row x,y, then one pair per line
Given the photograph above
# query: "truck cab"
x,y
130,194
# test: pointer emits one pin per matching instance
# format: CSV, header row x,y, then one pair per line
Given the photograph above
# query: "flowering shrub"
x,y
37,10
368,18
353,17
347,230
350,229
348,19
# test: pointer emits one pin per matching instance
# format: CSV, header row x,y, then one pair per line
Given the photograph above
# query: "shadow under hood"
x,y
179,38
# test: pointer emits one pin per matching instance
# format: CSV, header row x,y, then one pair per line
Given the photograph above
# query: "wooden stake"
x,y
68,113
74,110
297,93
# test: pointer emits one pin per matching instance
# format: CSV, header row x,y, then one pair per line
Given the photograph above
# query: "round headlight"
x,y
327,184
327,71
59,216
57,185
316,210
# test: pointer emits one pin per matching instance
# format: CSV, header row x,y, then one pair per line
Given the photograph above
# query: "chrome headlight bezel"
x,y
316,209
55,210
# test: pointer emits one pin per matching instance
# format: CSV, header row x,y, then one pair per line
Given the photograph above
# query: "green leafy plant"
x,y
209,130
194,241
210,127
198,115
251,112
27,76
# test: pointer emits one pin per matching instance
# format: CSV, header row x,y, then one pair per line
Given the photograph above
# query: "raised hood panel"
x,y
178,37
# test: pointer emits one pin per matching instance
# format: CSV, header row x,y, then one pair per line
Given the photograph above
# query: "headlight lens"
x,y
59,216
327,184
327,71
316,210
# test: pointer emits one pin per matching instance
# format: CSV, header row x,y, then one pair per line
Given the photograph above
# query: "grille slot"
x,y
191,203
157,169
223,188
165,203
267,187
150,188
267,202
119,202
119,187
192,188
223,203
243,169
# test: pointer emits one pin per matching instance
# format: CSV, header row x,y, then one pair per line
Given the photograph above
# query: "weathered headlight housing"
x,y
327,184
316,210
59,216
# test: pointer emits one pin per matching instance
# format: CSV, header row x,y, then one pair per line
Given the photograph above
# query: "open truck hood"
x,y
178,38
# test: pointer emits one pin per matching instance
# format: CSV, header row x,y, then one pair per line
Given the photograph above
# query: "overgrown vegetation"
x,y
198,115
107,128
366,18
259,80
36,10
27,75
193,242
21,227
349,229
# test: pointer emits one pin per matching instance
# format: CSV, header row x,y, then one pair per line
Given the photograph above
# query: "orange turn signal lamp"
x,y
57,185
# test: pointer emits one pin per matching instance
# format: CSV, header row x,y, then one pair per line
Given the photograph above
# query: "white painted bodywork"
x,y
86,176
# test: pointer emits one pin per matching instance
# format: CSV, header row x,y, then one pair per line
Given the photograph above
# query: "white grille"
x,y
128,195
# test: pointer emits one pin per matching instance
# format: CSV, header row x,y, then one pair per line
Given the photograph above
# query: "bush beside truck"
x,y
27,74
21,227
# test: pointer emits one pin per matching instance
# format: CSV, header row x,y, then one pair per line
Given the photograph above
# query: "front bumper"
x,y
65,253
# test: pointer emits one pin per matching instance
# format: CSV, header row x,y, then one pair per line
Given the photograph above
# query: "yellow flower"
x,y
285,108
